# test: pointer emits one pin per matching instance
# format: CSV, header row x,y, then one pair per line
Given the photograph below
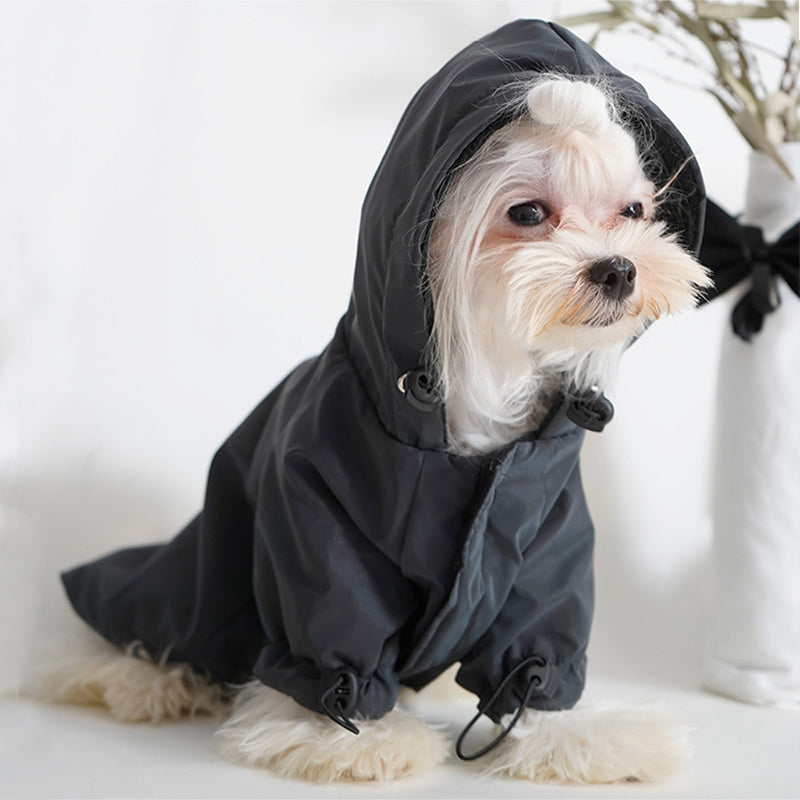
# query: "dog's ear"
x,y
569,105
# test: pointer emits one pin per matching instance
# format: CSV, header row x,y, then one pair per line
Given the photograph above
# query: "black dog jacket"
x,y
341,550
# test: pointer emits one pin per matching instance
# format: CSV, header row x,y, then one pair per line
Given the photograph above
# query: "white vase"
x,y
754,647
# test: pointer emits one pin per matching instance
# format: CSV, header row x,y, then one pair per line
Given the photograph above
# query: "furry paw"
x,y
133,688
591,746
268,729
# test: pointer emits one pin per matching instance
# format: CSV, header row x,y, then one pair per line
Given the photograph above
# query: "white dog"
x,y
546,258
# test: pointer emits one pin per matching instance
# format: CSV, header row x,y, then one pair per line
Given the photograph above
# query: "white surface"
x,y
180,197
741,751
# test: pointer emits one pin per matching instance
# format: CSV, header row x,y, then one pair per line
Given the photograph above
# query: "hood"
x,y
388,324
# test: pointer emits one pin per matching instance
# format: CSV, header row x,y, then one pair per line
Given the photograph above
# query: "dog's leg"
x,y
591,746
133,688
269,729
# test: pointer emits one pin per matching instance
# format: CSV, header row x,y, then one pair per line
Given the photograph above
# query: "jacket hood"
x,y
388,324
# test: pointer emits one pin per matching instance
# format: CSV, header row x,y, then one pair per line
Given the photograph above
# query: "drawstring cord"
x,y
339,700
340,697
537,673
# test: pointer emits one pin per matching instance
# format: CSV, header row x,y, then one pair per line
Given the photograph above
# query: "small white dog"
x,y
546,259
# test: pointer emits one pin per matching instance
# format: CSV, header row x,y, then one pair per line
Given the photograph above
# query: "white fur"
x,y
133,688
591,746
566,105
268,729
516,322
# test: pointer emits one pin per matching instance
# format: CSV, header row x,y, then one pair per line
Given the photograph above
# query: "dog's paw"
x,y
268,729
592,746
133,688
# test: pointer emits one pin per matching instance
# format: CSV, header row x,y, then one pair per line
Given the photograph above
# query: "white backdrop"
x,y
180,193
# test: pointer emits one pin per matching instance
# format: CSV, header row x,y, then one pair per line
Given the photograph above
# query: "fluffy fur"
x,y
520,315
516,317
130,685
268,729
591,745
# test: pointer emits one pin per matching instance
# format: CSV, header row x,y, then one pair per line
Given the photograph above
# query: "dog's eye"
x,y
528,214
633,211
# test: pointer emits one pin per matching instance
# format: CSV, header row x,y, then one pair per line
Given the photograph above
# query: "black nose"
x,y
616,276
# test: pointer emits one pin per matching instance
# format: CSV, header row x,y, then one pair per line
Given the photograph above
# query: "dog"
x,y
547,254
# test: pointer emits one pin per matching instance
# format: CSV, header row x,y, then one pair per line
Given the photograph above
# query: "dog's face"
x,y
566,253
573,249
545,255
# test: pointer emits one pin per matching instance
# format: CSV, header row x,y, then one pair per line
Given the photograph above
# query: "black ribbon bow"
x,y
734,252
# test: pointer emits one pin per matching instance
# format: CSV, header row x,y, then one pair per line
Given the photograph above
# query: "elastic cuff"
x,y
361,697
561,690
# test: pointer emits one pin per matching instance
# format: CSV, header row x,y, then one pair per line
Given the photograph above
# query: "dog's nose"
x,y
616,276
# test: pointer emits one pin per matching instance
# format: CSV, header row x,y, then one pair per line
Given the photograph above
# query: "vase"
x,y
754,644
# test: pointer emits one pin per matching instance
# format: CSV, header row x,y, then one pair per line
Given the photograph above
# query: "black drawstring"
x,y
537,673
340,698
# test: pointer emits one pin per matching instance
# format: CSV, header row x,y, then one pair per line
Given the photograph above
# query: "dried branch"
x,y
733,74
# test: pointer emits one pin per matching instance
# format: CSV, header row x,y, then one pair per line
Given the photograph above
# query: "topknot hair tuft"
x,y
569,105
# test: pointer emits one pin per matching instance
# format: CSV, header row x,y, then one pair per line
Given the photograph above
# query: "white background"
x,y
180,187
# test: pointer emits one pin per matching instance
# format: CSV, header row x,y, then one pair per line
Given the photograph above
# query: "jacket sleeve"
x,y
547,615
330,601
